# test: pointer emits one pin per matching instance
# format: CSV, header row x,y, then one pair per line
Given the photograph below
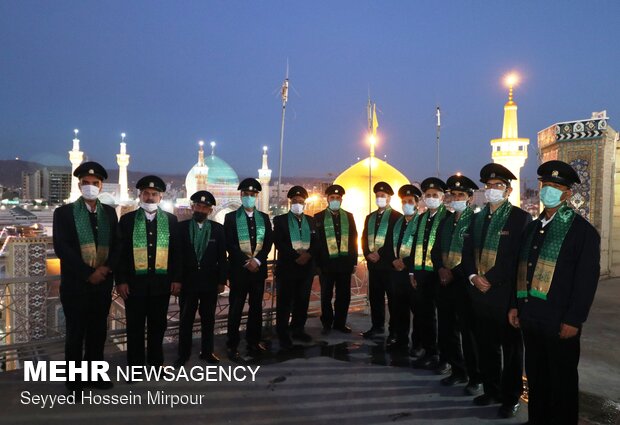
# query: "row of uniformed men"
x,y
463,263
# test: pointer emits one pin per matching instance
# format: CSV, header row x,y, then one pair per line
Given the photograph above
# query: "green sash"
x,y
140,251
243,232
299,239
200,237
488,247
405,247
548,257
378,240
452,239
330,234
419,245
94,255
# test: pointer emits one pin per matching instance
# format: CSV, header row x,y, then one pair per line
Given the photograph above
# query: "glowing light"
x,y
511,79
76,131
201,143
264,149
123,135
212,144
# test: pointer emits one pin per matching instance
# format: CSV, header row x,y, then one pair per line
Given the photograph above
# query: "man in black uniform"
x,y
85,242
402,267
204,276
557,278
379,254
248,242
490,252
337,259
294,236
455,316
425,277
149,271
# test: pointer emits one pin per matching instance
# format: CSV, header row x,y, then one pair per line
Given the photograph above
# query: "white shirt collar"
x,y
92,210
544,220
249,213
150,216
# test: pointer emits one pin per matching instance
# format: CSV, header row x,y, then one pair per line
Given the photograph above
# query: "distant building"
x,y
56,184
32,185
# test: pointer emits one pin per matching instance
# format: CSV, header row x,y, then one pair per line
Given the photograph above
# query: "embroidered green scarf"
x,y
419,245
486,251
93,254
405,247
452,239
378,240
330,234
548,257
243,233
140,251
200,237
300,239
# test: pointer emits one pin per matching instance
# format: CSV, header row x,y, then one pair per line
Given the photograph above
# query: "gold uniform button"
x,y
529,264
535,247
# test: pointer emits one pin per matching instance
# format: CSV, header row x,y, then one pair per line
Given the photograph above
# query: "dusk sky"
x,y
169,73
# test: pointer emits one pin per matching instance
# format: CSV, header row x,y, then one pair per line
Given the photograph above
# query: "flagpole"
x,y
369,107
438,132
284,93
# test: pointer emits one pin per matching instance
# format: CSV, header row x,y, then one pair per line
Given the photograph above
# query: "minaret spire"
x,y
122,159
76,156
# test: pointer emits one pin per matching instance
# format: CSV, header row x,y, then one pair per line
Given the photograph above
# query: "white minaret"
x,y
76,156
122,159
264,177
511,150
201,169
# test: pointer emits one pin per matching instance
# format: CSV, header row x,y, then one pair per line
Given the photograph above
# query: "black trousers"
x,y
336,315
455,325
425,312
205,303
552,377
293,296
86,322
403,305
150,311
500,344
380,286
253,290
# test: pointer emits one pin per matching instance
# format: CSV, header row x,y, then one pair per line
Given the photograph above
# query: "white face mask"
x,y
381,202
89,192
494,196
297,209
148,207
459,206
408,209
432,203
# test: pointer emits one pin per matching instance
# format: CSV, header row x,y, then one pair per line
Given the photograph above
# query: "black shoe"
x,y
443,368
486,400
101,385
209,358
286,344
473,388
256,349
302,336
453,379
429,362
180,362
508,410
416,353
233,354
326,330
343,329
370,333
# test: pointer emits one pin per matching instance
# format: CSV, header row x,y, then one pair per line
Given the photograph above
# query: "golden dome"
x,y
359,198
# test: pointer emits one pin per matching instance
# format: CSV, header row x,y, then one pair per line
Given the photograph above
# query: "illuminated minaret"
x,y
264,177
511,151
76,156
122,159
201,169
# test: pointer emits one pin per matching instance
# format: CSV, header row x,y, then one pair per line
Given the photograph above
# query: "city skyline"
x,y
170,75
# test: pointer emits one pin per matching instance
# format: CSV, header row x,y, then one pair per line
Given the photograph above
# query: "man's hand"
x,y
568,331
481,283
99,275
445,276
175,288
221,288
373,257
398,264
123,290
513,317
303,258
251,265
414,283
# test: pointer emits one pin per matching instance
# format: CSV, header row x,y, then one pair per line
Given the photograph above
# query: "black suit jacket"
x,y
286,265
574,281
386,252
436,252
236,258
202,275
150,283
343,264
74,273
496,301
